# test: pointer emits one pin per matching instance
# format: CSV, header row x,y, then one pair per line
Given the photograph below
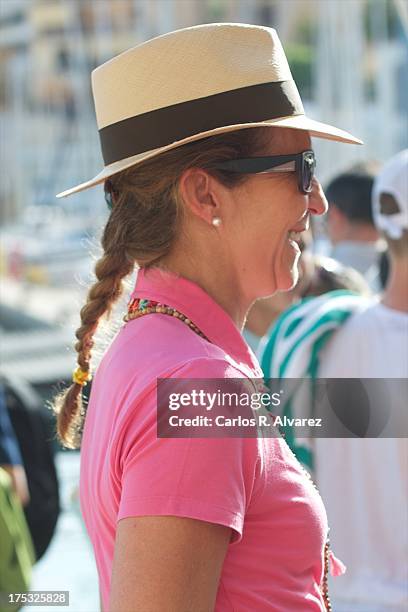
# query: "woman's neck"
x,y
214,280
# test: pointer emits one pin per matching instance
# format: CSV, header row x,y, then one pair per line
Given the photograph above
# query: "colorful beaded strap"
x,y
139,307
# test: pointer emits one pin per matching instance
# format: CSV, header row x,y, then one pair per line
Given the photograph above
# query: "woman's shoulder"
x,y
160,346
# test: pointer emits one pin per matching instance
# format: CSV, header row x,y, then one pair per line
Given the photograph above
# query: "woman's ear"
x,y
201,194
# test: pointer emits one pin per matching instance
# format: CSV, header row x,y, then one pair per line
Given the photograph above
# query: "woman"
x,y
211,179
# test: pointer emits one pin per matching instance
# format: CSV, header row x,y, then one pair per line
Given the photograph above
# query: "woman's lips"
x,y
295,238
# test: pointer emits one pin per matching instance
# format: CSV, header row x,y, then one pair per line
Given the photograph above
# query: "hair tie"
x,y
81,377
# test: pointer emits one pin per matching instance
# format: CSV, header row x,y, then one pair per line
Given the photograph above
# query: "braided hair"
x,y
145,219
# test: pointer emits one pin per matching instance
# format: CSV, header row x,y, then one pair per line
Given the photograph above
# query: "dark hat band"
x,y
164,126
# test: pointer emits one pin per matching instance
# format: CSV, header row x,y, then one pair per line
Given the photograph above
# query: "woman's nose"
x,y
318,204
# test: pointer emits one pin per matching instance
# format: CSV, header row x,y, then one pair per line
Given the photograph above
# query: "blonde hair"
x,y
142,227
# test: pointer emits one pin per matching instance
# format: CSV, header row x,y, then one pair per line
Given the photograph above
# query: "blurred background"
x,y
348,58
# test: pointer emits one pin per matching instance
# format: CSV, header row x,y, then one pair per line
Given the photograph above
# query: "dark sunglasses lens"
x,y
308,168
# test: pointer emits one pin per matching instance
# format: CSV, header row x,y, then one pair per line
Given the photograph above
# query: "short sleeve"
x,y
209,479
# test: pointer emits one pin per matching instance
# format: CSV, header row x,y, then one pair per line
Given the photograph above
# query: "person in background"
x,y
34,472
10,456
367,498
350,226
17,555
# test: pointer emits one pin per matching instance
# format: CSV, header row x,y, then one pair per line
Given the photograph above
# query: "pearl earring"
x,y
216,221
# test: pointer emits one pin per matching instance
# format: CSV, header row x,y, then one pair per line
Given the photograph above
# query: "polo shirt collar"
x,y
191,300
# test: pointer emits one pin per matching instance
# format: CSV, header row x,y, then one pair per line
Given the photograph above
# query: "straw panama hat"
x,y
190,84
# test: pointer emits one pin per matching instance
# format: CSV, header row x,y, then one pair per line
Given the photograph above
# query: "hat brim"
x,y
297,122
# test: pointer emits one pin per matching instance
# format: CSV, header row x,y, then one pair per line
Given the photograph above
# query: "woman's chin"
x,y
289,280
283,278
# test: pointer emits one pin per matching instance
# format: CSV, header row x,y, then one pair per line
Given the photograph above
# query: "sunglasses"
x,y
303,164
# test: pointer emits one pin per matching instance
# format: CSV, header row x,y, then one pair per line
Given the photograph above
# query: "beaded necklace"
x,y
138,307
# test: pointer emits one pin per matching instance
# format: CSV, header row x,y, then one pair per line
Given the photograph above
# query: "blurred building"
x,y
15,40
341,54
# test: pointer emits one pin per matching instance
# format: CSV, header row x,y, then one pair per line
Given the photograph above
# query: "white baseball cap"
x,y
390,196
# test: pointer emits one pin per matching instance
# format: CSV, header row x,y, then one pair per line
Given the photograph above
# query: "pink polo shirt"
x,y
255,486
